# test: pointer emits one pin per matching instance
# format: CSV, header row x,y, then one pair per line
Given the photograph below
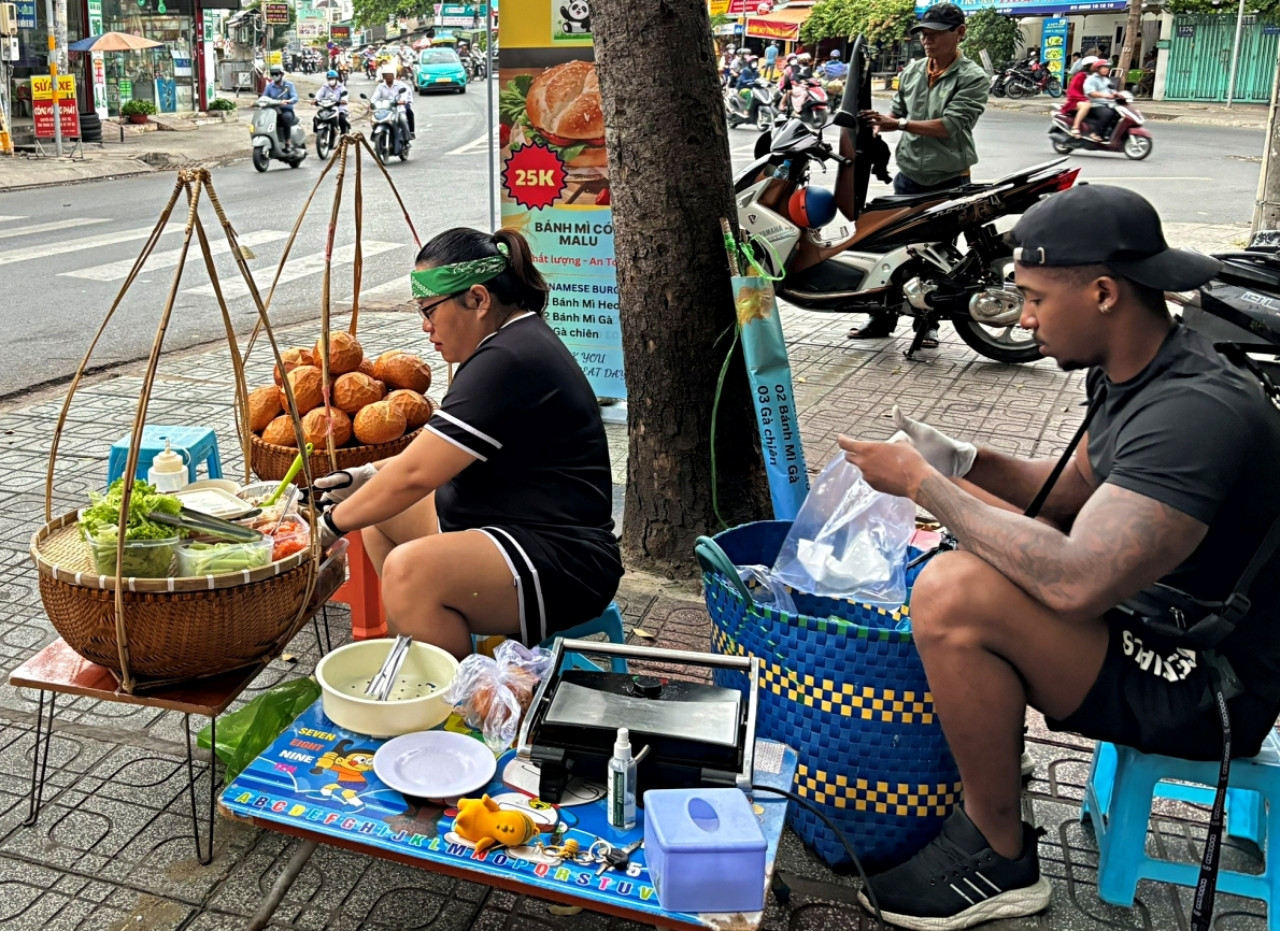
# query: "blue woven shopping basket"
x,y
847,690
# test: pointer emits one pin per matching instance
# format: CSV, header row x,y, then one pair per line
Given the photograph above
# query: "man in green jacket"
x,y
939,100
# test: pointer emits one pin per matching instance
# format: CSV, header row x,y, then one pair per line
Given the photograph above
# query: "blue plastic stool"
x,y
1117,799
200,444
609,624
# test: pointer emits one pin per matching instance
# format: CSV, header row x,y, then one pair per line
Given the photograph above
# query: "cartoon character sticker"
x,y
570,22
348,768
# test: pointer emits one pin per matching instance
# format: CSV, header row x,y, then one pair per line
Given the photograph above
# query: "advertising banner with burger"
x,y
554,177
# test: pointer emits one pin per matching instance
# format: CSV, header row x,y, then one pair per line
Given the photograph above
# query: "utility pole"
x,y
53,74
1235,56
1266,210
1130,40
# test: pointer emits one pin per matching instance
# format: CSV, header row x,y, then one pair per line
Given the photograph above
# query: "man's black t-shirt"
x,y
521,405
1199,434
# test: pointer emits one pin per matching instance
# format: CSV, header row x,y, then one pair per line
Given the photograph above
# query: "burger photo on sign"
x,y
560,109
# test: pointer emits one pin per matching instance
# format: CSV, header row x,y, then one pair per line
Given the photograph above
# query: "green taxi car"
x,y
440,69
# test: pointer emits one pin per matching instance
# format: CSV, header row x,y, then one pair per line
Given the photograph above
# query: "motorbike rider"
x,y
747,75
938,102
1097,87
284,91
726,64
833,69
334,89
796,75
395,91
1077,98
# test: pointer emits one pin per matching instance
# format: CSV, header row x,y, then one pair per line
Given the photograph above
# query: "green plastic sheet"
x,y
245,733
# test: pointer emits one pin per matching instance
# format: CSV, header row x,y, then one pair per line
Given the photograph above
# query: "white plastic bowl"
x,y
417,699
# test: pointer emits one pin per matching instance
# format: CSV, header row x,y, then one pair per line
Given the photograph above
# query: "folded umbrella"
x,y
113,42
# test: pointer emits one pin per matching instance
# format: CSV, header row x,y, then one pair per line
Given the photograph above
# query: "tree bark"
x,y
1266,212
1130,41
670,183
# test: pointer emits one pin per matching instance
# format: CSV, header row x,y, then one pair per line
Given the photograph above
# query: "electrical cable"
x,y
857,864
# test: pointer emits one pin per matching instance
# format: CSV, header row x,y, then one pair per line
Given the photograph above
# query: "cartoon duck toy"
x,y
483,822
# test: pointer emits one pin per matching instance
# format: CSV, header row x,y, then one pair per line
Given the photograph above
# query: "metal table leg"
x,y
280,888
40,761
204,858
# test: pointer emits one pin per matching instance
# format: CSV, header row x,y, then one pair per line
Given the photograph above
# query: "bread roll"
x,y
417,410
293,357
399,369
366,368
354,390
280,432
345,354
564,101
379,423
264,407
306,381
316,426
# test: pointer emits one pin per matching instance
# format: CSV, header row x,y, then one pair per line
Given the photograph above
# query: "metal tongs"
x,y
199,522
380,685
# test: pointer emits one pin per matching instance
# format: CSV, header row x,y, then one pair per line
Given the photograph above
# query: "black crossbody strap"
x,y
1206,885
1267,549
1042,495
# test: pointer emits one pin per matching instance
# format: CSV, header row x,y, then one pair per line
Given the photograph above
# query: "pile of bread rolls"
x,y
370,402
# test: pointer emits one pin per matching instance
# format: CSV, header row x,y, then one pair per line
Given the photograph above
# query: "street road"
x,y
64,252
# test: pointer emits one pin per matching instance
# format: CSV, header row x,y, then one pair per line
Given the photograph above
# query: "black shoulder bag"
x,y
1198,625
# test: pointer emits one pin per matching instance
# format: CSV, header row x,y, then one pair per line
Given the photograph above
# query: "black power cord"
x,y
857,864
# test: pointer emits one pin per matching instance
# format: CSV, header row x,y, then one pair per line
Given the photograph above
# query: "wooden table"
x,y
283,791
57,669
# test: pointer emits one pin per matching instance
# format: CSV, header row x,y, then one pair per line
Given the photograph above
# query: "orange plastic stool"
x,y
362,592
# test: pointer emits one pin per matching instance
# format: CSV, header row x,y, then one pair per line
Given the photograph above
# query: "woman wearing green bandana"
x,y
497,519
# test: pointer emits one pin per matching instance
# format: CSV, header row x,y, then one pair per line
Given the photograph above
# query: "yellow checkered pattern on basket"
x,y
888,706
899,799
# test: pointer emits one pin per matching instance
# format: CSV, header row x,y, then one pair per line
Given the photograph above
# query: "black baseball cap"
x,y
940,17
1097,224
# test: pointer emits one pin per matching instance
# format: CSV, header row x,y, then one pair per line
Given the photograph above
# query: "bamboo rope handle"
x,y
357,266
325,295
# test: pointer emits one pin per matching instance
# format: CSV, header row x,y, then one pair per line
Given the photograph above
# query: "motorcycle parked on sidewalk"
x,y
755,105
999,78
385,135
1030,79
1127,133
266,141
896,254
324,126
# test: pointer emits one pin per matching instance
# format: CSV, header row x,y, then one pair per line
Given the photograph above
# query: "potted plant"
x,y
221,103
137,111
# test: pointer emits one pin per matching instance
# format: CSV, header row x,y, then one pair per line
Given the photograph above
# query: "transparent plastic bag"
x,y
493,693
767,590
849,540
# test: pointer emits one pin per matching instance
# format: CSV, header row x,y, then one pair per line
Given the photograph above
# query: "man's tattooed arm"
x,y
1120,543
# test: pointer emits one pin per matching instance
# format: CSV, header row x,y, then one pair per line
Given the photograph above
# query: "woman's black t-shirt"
x,y
522,406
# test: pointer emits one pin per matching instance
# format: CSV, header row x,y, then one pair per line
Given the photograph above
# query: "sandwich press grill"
x,y
697,734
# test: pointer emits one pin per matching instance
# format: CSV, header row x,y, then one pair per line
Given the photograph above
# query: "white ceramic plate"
x,y
435,764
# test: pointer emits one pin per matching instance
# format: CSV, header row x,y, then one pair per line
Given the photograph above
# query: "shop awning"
x,y
783,25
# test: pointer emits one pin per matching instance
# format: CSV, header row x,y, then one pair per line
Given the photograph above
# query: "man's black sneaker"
x,y
958,881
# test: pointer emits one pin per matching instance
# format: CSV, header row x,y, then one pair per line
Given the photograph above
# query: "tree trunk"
x,y
1266,212
1130,41
670,183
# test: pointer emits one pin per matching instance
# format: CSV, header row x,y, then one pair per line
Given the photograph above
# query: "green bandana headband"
x,y
451,279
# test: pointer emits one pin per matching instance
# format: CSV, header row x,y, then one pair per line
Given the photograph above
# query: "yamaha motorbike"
x,y
934,257
755,105
1126,133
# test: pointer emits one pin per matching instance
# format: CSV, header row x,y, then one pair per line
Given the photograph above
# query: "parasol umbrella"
x,y
113,42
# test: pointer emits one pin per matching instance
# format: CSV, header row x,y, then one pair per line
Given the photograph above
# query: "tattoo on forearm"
x,y
1120,543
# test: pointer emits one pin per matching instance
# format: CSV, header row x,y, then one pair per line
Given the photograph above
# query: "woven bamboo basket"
x,y
171,629
269,461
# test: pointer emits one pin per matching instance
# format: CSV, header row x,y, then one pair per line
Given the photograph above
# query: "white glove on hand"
x,y
951,457
341,485
329,532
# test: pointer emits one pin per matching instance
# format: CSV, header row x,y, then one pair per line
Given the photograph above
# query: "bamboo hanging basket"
x,y
172,628
269,461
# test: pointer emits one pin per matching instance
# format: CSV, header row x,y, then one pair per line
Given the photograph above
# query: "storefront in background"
x,y
165,76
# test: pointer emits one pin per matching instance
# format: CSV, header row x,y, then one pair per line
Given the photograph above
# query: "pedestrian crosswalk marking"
x,y
296,268
114,271
4,219
52,249
51,227
472,147
396,288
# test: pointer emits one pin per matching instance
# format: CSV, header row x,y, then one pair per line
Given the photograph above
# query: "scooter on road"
x,y
325,126
1127,134
266,141
386,136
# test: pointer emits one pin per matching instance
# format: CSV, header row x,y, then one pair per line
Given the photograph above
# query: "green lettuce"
x,y
100,520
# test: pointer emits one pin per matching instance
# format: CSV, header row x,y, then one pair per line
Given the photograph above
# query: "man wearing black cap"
x,y
938,102
1173,483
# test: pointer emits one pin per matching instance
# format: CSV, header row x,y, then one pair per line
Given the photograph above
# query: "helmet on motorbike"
x,y
331,75
1100,64
805,56
277,71
387,69
835,53
811,207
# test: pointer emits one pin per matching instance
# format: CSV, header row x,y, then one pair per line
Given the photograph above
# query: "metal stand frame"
x,y
40,772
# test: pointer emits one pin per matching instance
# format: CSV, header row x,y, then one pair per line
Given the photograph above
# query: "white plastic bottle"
x,y
622,784
168,472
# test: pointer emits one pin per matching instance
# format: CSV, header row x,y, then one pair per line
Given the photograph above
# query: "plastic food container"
x,y
417,698
143,559
200,559
292,536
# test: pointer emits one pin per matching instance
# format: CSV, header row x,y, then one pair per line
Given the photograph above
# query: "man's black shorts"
x,y
1154,697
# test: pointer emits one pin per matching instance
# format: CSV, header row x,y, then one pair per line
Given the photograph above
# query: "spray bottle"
x,y
622,783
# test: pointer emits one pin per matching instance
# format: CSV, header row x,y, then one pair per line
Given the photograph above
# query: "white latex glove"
x,y
341,485
329,533
952,458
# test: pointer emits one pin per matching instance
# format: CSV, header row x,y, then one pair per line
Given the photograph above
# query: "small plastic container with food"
x,y
289,535
202,559
259,492
143,559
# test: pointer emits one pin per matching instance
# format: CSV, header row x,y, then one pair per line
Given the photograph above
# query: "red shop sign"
x,y
42,114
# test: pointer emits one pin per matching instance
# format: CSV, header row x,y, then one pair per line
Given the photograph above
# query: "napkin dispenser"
x,y
698,734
